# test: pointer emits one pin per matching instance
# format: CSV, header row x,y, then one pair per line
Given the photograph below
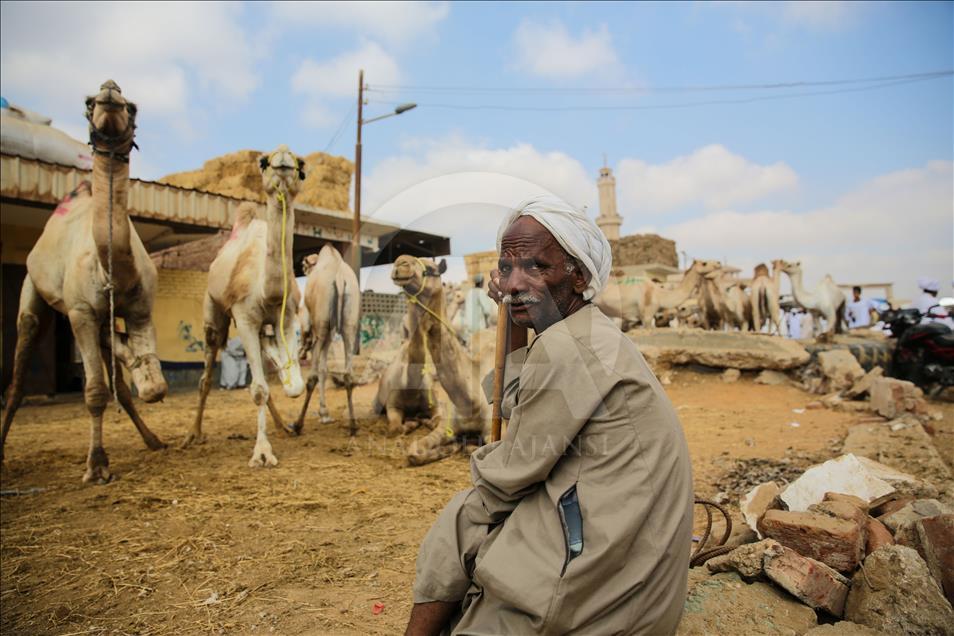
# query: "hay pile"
x,y
643,249
327,178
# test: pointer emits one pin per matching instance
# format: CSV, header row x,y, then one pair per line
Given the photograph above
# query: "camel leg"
x,y
277,418
396,422
248,331
86,330
216,332
126,401
347,340
434,446
299,424
322,376
34,316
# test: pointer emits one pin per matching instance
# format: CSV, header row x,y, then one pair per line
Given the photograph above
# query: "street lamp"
x,y
356,225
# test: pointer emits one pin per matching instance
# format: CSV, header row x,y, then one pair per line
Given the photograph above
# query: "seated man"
x,y
580,518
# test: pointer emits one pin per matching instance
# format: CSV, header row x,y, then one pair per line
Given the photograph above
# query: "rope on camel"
x,y
112,290
701,554
286,376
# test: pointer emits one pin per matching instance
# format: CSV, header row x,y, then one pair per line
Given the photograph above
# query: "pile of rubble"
x,y
853,544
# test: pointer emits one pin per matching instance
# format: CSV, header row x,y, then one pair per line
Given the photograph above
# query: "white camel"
x,y
252,281
333,303
826,300
640,301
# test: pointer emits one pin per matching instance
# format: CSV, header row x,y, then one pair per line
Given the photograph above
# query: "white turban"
x,y
928,284
574,231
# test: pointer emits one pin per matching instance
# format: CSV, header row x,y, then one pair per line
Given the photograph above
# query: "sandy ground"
x,y
194,541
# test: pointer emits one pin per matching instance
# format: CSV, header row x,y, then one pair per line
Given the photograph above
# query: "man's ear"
x,y
579,280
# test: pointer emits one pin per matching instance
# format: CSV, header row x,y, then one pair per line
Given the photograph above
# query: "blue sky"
x,y
855,184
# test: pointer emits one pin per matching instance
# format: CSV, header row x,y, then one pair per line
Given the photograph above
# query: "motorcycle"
x,y
924,353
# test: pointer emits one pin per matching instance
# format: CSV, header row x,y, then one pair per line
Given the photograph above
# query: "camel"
x,y
333,303
642,300
734,305
457,371
252,282
406,390
826,300
764,298
68,271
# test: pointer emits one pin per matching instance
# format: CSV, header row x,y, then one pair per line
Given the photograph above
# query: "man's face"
x,y
533,270
856,294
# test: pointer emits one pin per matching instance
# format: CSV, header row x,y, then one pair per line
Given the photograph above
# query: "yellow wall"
x,y
178,315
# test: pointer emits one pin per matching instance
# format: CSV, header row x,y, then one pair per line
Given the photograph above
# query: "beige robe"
x,y
585,411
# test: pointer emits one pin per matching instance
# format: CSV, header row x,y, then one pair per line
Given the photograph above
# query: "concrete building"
x,y
182,228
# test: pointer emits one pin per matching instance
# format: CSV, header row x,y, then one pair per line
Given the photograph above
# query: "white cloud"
x,y
550,51
161,54
394,22
711,176
894,228
813,15
337,78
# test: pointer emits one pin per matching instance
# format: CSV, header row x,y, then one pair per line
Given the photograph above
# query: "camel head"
x,y
308,263
788,268
282,171
285,359
704,268
112,120
418,276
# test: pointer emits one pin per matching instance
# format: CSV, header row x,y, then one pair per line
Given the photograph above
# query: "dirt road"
x,y
193,541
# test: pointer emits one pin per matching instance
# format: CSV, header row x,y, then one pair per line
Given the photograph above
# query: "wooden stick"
x,y
500,362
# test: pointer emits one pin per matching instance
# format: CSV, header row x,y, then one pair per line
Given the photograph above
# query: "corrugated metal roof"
x,y
41,182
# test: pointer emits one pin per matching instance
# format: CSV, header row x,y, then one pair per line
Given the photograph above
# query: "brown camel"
x,y
406,390
252,281
457,371
68,271
764,297
333,305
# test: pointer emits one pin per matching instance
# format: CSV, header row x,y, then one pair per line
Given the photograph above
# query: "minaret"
x,y
609,219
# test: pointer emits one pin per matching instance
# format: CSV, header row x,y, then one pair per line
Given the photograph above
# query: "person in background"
x,y
479,311
859,310
234,366
793,323
928,297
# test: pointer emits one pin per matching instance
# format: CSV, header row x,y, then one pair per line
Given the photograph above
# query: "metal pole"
x,y
356,225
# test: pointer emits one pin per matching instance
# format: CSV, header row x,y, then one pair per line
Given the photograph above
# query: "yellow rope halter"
x,y
286,379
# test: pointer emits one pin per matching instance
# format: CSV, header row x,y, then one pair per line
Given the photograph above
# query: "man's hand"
x,y
493,287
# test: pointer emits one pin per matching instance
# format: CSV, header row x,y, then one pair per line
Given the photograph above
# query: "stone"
x,y
857,502
842,628
837,543
808,580
863,386
891,398
832,400
893,592
814,406
840,369
917,509
755,502
877,535
854,407
848,474
771,378
747,560
726,350
731,375
933,538
725,604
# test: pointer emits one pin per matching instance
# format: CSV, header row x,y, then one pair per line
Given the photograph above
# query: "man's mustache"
x,y
523,298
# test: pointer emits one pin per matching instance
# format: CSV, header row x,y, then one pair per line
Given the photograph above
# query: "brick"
x,y
857,502
917,509
863,385
810,581
933,538
891,506
837,543
841,510
876,536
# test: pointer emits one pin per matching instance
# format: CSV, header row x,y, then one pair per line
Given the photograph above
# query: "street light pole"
x,y
356,224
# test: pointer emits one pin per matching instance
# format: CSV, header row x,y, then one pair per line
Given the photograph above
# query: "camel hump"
x,y
245,214
83,190
328,251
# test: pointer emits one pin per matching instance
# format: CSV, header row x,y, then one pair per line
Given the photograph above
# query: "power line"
x,y
393,88
344,122
631,107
